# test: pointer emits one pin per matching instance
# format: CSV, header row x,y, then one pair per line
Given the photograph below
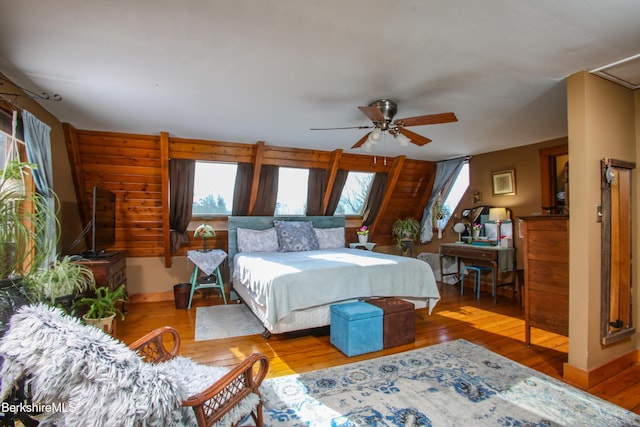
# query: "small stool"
x,y
214,282
356,328
478,269
399,321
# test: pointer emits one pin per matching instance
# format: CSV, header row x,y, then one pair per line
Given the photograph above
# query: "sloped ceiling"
x,y
246,70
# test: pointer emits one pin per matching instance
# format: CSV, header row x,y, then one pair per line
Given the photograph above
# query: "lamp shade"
x,y
402,140
375,135
498,214
204,231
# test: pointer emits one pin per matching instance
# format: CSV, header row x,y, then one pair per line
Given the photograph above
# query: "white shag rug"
x,y
225,321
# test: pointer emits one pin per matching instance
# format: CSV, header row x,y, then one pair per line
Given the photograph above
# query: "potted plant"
x,y
440,213
406,230
23,218
61,282
103,307
475,230
363,234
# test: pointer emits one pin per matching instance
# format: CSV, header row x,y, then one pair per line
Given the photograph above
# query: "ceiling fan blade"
x,y
429,119
362,140
373,113
348,127
419,140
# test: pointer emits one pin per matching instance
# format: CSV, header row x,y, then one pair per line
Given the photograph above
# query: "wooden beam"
x,y
394,173
164,178
332,171
77,172
425,196
257,165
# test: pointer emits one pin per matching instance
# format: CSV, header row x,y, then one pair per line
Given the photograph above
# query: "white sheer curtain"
x,y
445,172
37,139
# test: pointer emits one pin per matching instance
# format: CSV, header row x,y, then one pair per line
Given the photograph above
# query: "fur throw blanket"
x,y
96,380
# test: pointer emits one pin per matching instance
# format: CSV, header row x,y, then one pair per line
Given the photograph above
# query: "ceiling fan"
x,y
381,113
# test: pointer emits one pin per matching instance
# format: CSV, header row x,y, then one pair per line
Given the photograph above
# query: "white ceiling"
x,y
250,70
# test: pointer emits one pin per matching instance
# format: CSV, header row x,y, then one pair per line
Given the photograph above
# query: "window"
x,y
453,196
5,146
213,188
354,193
292,191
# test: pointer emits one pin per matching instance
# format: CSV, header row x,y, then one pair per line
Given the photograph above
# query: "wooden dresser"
x,y
546,265
109,269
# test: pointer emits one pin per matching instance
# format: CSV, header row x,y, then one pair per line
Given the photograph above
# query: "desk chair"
x,y
478,269
206,282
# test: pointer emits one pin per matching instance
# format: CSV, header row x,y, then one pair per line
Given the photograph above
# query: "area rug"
x,y
225,321
451,384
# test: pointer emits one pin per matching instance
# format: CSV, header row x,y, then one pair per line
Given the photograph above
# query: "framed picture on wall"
x,y
504,182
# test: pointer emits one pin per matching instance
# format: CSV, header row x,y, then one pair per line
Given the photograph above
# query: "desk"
x,y
209,263
500,259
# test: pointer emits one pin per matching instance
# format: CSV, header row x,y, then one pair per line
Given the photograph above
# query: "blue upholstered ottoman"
x,y
356,327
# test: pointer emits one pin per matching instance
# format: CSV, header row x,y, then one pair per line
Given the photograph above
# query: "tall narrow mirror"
x,y
616,317
554,179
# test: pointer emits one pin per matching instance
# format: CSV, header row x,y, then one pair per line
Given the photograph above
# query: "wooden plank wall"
x,y
134,167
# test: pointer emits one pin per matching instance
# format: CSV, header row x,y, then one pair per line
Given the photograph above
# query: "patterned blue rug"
x,y
451,384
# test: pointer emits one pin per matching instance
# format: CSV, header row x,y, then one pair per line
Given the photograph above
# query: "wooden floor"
x,y
498,327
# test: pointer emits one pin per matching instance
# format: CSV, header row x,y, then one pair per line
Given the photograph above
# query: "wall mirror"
x,y
616,313
554,179
472,215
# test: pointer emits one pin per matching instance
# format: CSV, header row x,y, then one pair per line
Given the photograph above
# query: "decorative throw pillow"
x,y
296,236
257,240
330,238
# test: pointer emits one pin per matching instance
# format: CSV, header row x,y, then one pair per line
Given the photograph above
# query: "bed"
x,y
290,284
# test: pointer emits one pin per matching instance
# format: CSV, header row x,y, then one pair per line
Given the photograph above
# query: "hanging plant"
x,y
440,212
12,181
13,170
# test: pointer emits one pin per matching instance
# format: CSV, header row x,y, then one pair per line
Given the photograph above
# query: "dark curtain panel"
x,y
267,191
242,189
336,191
181,178
376,194
317,187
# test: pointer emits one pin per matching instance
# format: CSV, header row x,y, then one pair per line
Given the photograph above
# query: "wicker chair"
x,y
211,404
103,382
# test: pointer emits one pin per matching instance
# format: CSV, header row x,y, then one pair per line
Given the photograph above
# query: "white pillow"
x,y
257,240
330,238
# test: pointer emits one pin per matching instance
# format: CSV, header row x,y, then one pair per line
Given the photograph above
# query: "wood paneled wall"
x,y
134,167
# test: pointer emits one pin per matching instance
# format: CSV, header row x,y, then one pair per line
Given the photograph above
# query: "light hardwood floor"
x,y
498,327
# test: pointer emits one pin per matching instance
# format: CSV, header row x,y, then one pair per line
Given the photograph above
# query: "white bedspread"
x,y
283,282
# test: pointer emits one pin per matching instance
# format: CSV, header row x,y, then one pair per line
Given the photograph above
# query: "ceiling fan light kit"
x,y
381,113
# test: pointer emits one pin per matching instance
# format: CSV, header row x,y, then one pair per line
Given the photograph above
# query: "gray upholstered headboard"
x,y
264,222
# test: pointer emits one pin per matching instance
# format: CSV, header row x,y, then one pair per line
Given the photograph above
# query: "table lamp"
x,y
204,231
498,215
